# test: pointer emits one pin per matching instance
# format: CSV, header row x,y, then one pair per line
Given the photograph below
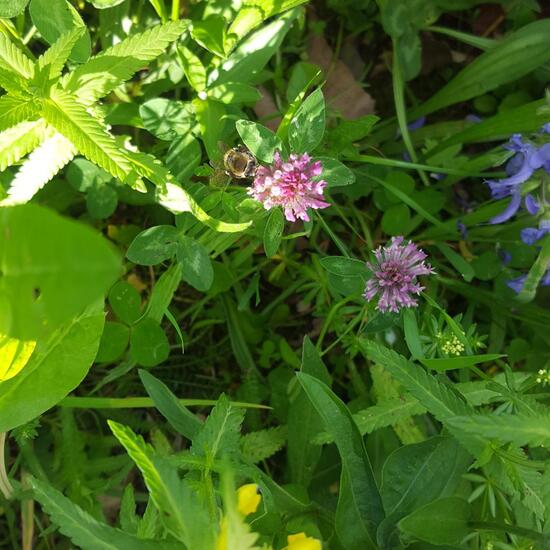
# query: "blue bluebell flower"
x,y
462,229
546,128
517,284
473,118
416,124
531,204
530,235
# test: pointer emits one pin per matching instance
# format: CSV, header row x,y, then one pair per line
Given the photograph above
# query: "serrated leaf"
x,y
39,168
181,512
87,134
108,70
14,110
522,431
220,433
12,58
12,8
17,141
55,57
260,445
84,530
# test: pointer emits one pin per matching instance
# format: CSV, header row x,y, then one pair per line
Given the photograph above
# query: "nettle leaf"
x,y
196,267
260,445
58,365
532,430
182,514
261,141
53,18
112,67
221,432
84,530
19,140
88,135
307,127
45,277
39,168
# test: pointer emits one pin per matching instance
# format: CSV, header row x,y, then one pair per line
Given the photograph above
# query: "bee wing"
x,y
219,178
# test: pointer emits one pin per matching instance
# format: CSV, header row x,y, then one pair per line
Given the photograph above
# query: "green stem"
x,y
400,109
140,403
5,486
520,531
175,15
339,244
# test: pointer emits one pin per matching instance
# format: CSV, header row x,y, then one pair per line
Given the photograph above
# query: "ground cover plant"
x,y
274,274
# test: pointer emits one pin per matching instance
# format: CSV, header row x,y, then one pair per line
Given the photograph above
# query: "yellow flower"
x,y
300,541
248,499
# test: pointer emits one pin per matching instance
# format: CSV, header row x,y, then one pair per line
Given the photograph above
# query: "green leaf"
x,y
457,261
194,70
17,141
125,302
261,141
196,267
101,201
359,510
178,200
449,363
273,232
396,220
149,344
415,475
235,92
412,334
307,127
211,118
104,4
517,55
178,416
345,267
84,530
71,119
335,173
163,292
12,8
443,521
181,513
220,433
522,431
13,59
14,110
44,255
537,271
153,245
252,55
487,265
183,157
57,366
40,167
210,33
114,342
108,70
166,118
251,14
55,57
261,445
303,421
53,18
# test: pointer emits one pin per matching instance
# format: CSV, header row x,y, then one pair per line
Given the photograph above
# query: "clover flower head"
x,y
394,275
292,184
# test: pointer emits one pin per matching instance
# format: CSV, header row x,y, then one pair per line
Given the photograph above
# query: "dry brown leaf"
x,y
341,90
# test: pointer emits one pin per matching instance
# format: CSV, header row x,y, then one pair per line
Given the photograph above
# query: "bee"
x,y
238,163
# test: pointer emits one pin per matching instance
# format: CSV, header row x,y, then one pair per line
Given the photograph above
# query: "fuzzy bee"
x,y
237,163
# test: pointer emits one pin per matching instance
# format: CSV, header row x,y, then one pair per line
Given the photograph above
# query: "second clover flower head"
x,y
292,184
394,275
